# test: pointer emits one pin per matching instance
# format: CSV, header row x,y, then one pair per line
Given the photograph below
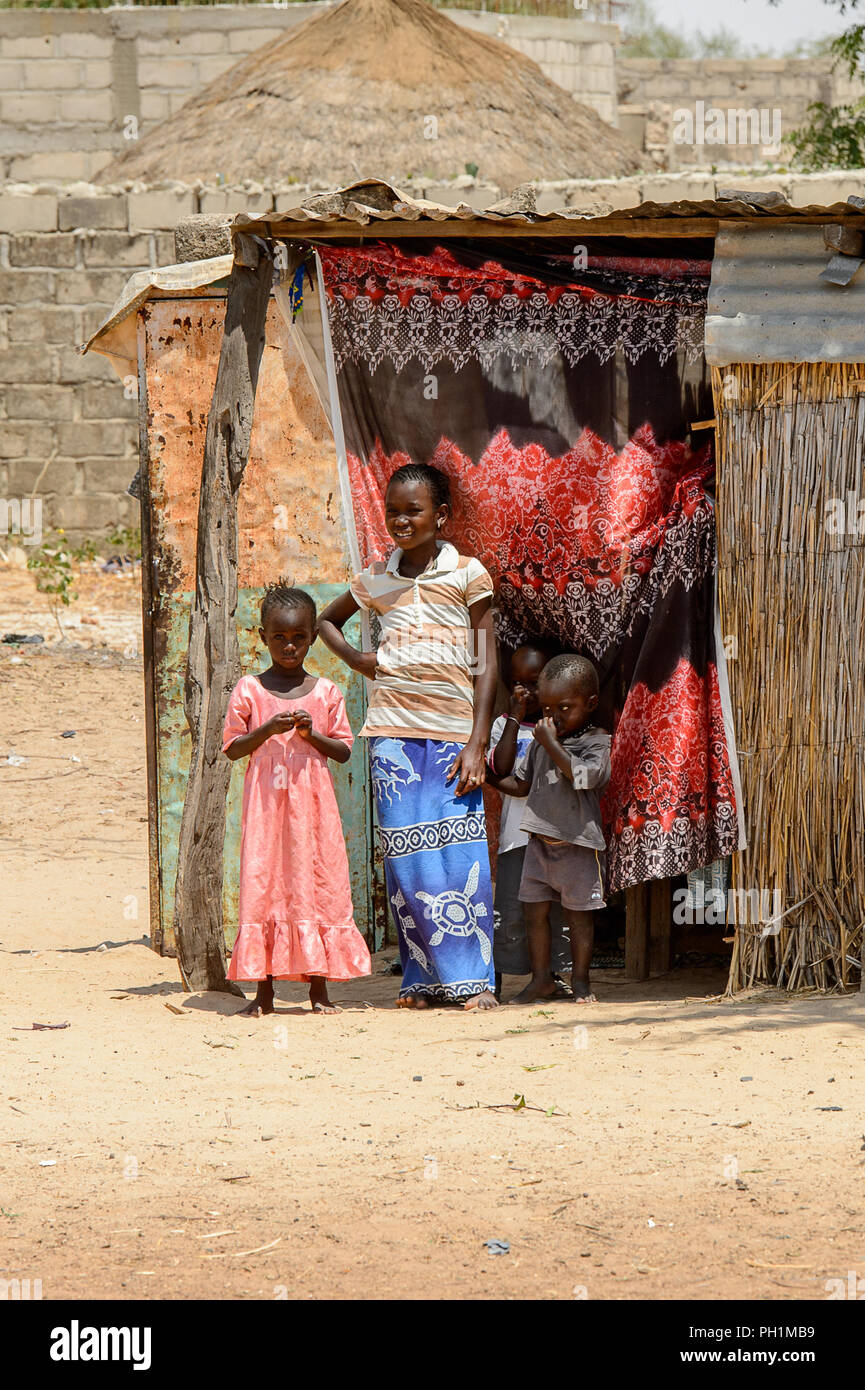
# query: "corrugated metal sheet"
x,y
371,201
767,302
116,336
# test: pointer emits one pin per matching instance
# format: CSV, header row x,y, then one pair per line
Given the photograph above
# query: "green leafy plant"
x,y
85,551
126,540
833,137
52,565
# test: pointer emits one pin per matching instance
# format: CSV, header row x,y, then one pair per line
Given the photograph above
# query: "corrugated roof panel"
x,y
767,302
115,339
372,202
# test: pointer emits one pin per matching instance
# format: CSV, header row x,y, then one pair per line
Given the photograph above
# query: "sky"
x,y
755,21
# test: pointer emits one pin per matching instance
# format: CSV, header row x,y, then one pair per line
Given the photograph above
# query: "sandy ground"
x,y
672,1143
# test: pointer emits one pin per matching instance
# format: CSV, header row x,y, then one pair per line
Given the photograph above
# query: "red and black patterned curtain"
x,y
557,387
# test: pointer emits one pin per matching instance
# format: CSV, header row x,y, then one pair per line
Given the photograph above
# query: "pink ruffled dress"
x,y
295,914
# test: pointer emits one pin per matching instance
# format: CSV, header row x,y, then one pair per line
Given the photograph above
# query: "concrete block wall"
x,y
658,87
68,426
77,85
579,55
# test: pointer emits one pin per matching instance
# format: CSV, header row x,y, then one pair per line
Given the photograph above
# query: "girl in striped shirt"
x,y
428,721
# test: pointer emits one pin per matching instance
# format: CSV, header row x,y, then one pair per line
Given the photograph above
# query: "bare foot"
x,y
261,1004
544,987
412,1001
583,993
318,996
485,1000
257,1008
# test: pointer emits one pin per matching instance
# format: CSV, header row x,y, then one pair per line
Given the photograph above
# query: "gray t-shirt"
x,y
567,809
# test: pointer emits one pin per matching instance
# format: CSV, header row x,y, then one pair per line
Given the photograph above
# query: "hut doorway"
x,y
564,389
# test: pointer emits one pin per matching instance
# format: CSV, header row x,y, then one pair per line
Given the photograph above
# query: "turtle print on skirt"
x,y
437,868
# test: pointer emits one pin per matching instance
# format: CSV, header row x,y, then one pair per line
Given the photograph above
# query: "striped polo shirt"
x,y
427,656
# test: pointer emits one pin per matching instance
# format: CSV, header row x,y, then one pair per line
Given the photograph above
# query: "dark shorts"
x,y
510,948
568,874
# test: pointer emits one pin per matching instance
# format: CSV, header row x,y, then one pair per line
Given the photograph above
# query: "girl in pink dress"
x,y
296,920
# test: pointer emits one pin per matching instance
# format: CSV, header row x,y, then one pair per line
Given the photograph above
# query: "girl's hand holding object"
x,y
303,723
283,723
298,719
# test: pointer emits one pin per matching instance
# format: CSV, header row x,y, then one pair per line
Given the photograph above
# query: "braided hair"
x,y
432,478
282,594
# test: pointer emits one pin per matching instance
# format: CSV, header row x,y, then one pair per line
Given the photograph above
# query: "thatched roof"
x,y
350,93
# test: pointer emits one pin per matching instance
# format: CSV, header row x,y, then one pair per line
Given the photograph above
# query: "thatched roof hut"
x,y
392,86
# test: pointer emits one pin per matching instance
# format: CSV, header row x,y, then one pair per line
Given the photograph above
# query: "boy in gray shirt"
x,y
568,767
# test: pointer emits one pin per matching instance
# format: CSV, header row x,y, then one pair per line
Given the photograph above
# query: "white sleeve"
x,y
497,730
359,591
495,734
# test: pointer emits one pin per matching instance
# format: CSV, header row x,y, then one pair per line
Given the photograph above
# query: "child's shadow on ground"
x,y
227,1005
143,991
218,1003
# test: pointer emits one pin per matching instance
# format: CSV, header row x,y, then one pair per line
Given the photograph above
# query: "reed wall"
x,y
791,536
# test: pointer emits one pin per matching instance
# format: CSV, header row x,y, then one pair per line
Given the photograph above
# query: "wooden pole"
x,y
637,932
660,925
213,660
148,590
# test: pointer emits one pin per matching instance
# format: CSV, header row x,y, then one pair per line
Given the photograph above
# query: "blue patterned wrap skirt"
x,y
437,868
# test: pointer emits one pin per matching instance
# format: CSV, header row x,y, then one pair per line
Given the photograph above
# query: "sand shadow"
x,y
144,991
100,946
229,1005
